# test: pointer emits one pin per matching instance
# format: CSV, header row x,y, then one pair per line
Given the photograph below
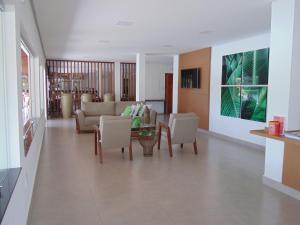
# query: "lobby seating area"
x,y
89,115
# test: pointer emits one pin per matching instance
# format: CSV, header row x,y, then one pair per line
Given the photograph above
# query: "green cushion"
x,y
136,110
127,111
136,122
142,109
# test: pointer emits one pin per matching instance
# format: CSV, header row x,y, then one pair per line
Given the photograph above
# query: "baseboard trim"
x,y
281,188
231,139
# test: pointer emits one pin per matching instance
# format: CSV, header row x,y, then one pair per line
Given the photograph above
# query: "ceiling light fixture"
x,y
124,23
103,41
206,32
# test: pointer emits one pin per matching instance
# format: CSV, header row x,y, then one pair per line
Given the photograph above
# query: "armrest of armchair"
x,y
79,115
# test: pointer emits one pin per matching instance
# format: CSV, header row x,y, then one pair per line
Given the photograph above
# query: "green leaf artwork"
x,y
232,69
255,67
244,85
254,103
231,101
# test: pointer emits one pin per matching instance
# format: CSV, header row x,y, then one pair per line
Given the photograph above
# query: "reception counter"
x,y
282,167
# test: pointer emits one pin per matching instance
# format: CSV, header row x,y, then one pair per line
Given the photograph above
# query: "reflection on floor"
x,y
221,185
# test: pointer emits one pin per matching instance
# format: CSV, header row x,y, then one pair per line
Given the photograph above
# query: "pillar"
x,y
175,82
140,77
117,82
284,79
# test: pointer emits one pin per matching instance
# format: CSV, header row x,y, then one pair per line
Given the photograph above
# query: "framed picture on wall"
x,y
254,103
245,85
191,78
231,101
232,69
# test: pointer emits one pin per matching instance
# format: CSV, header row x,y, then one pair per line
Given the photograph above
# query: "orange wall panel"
x,y
196,100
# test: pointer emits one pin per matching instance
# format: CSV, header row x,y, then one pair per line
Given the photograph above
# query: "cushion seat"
x,y
91,120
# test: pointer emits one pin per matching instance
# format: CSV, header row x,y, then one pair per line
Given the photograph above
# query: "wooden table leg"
x,y
130,150
169,142
100,152
96,140
159,138
195,147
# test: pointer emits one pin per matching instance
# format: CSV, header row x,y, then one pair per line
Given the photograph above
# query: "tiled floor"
x,y
220,186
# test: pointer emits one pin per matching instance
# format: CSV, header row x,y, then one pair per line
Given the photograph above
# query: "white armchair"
x,y
114,132
182,128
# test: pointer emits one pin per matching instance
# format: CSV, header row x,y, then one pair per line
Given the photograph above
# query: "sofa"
x,y
90,113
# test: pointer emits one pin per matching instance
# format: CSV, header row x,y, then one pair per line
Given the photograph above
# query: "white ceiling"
x,y
87,29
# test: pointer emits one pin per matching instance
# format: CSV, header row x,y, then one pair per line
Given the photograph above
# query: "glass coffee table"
x,y
147,142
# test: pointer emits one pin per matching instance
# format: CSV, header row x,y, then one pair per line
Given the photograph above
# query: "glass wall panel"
x,y
3,148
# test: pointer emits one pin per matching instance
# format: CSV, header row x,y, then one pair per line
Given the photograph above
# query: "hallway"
x,y
221,185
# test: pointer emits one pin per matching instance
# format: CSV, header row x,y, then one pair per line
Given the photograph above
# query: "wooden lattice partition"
x,y
128,81
77,77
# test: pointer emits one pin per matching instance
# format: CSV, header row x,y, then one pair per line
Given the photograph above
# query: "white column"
x,y
3,125
175,82
140,77
117,81
284,79
14,129
294,106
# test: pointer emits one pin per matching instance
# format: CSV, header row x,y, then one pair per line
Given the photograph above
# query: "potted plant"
x,y
147,139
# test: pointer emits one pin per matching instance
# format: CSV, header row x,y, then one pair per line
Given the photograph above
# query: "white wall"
x,y
233,127
19,22
155,80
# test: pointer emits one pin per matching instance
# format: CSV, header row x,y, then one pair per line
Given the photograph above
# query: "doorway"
x,y
168,93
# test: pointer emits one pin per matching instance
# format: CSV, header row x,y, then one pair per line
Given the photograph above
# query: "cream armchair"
x,y
182,128
114,132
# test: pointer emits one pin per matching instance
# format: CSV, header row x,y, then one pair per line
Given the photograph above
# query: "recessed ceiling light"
x,y
124,23
103,41
168,46
205,32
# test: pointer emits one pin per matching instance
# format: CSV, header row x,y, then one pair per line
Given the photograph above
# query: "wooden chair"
x,y
182,129
114,132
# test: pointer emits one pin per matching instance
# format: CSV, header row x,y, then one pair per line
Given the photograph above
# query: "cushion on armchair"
x,y
136,122
127,111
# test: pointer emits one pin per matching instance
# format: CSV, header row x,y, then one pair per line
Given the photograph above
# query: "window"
x,y
128,79
77,77
28,123
25,73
